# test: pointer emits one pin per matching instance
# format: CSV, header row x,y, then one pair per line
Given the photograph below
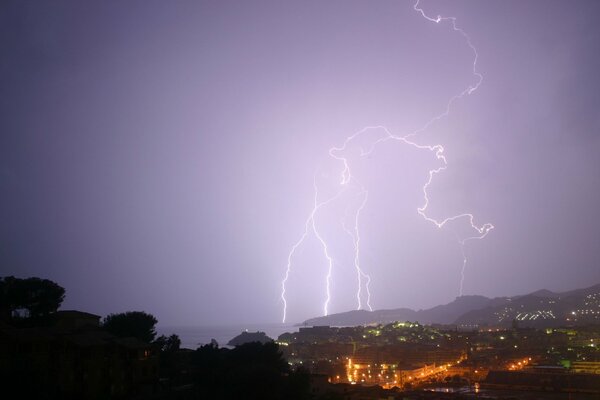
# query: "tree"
x,y
168,359
38,297
249,371
137,324
168,344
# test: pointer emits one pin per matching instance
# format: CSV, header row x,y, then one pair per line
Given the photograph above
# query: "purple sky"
x,y
160,156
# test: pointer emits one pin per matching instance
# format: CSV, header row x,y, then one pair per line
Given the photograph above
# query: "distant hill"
x,y
249,337
448,313
542,308
544,293
363,317
443,314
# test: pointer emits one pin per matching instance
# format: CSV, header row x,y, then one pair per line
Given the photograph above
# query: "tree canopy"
x,y
137,324
168,344
38,297
258,370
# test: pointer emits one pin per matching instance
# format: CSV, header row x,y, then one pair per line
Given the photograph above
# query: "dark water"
x,y
194,336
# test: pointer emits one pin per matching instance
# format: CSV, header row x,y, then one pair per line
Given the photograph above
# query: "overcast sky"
x,y
160,156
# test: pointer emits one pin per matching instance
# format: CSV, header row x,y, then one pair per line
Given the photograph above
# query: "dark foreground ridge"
x,y
539,309
48,354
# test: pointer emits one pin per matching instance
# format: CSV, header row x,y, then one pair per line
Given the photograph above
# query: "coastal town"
x,y
407,355
56,353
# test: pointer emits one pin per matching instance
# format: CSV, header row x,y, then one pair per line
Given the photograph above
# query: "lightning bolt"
x,y
348,180
309,225
483,233
355,235
471,88
462,270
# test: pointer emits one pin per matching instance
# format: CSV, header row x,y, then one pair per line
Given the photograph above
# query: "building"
x,y
73,358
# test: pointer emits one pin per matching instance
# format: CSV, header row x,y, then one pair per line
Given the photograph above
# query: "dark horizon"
x,y
161,157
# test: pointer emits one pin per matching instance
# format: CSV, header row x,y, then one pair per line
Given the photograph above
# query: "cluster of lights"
x,y
585,312
505,314
387,374
532,316
398,325
519,364
592,299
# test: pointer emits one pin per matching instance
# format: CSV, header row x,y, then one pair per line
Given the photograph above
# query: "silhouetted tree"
x,y
137,324
168,357
168,344
39,297
249,371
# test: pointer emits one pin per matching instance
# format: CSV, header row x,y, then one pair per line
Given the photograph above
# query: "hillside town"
x,y
408,356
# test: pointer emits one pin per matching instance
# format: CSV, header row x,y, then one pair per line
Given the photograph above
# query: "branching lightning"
x,y
348,180
311,225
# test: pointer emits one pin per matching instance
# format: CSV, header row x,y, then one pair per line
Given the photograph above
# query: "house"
x,y
73,358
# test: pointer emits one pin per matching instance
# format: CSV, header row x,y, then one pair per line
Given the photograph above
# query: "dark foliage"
x,y
168,357
167,344
137,324
38,297
249,371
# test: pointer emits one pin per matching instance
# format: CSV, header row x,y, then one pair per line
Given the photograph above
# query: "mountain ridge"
x,y
541,308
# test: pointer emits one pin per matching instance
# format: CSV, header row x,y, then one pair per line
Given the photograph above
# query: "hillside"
x,y
542,308
442,314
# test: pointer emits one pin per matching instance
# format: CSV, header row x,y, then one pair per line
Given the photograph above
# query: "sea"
x,y
193,337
